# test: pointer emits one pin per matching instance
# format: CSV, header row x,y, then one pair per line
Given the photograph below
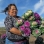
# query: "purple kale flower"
x,y
27,24
3,36
38,22
36,15
22,28
27,31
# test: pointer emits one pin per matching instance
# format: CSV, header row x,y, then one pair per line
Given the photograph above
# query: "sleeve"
x,y
8,24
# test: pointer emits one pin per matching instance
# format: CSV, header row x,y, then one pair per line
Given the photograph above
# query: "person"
x,y
13,34
1,41
39,40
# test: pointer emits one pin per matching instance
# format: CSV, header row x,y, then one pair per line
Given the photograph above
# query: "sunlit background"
x,y
23,6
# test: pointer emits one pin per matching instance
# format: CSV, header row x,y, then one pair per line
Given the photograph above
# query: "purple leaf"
x,y
22,28
36,15
38,21
3,36
27,24
27,31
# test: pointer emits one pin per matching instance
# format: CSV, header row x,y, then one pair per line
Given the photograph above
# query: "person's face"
x,y
12,11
